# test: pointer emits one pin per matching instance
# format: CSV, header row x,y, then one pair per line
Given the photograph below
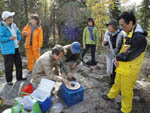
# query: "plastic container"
x,y
36,108
19,108
72,97
46,85
45,105
44,90
39,95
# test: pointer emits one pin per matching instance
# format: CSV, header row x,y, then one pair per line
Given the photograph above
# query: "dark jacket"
x,y
137,44
69,59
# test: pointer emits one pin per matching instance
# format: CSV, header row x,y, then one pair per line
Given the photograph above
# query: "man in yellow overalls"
x,y
128,61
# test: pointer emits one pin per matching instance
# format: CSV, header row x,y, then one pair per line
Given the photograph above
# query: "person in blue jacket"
x,y
10,36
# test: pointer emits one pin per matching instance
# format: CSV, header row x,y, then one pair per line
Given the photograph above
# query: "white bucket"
x,y
7,111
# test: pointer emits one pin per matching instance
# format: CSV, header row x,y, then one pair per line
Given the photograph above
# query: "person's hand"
x,y
13,37
73,66
26,33
69,75
126,47
116,63
104,42
96,48
66,82
84,46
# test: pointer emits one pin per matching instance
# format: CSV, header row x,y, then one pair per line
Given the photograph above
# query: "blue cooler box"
x,y
45,105
72,97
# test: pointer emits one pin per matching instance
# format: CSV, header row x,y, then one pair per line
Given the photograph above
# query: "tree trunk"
x,y
26,9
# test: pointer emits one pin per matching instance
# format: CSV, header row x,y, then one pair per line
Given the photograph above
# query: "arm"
x,y
3,38
118,44
44,71
41,38
18,35
137,47
18,32
24,30
65,67
105,41
78,59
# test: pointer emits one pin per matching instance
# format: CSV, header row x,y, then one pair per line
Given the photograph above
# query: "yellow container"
x,y
1,100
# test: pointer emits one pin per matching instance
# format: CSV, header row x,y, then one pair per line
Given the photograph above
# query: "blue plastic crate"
x,y
45,105
72,97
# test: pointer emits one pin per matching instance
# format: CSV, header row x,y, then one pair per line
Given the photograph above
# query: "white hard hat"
x,y
7,14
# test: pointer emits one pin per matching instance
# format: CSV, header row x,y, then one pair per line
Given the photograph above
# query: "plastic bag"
x,y
27,101
27,89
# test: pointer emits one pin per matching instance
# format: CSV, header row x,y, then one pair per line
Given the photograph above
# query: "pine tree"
x,y
1,6
115,9
145,14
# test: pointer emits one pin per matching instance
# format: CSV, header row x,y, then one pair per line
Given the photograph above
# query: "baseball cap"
x,y
113,22
6,14
76,47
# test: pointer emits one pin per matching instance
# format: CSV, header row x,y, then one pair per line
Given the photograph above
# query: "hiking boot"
x,y
9,83
22,79
105,97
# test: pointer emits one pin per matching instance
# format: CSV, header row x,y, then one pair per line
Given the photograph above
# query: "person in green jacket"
x,y
90,40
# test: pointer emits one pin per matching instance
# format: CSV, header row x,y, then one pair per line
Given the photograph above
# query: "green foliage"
x,y
14,5
99,11
1,6
72,13
55,14
115,9
144,14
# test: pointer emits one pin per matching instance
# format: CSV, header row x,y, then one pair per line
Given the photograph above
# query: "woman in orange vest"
x,y
34,40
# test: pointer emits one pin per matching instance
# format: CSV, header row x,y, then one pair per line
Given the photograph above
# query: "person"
x,y
128,61
90,40
10,36
112,40
48,66
71,59
34,40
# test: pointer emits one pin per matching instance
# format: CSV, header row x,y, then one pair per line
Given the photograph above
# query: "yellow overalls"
x,y
126,74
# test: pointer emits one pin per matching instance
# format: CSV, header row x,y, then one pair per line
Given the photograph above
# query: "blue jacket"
x,y
7,45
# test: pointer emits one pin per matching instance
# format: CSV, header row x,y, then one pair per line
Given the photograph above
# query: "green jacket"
x,y
87,37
